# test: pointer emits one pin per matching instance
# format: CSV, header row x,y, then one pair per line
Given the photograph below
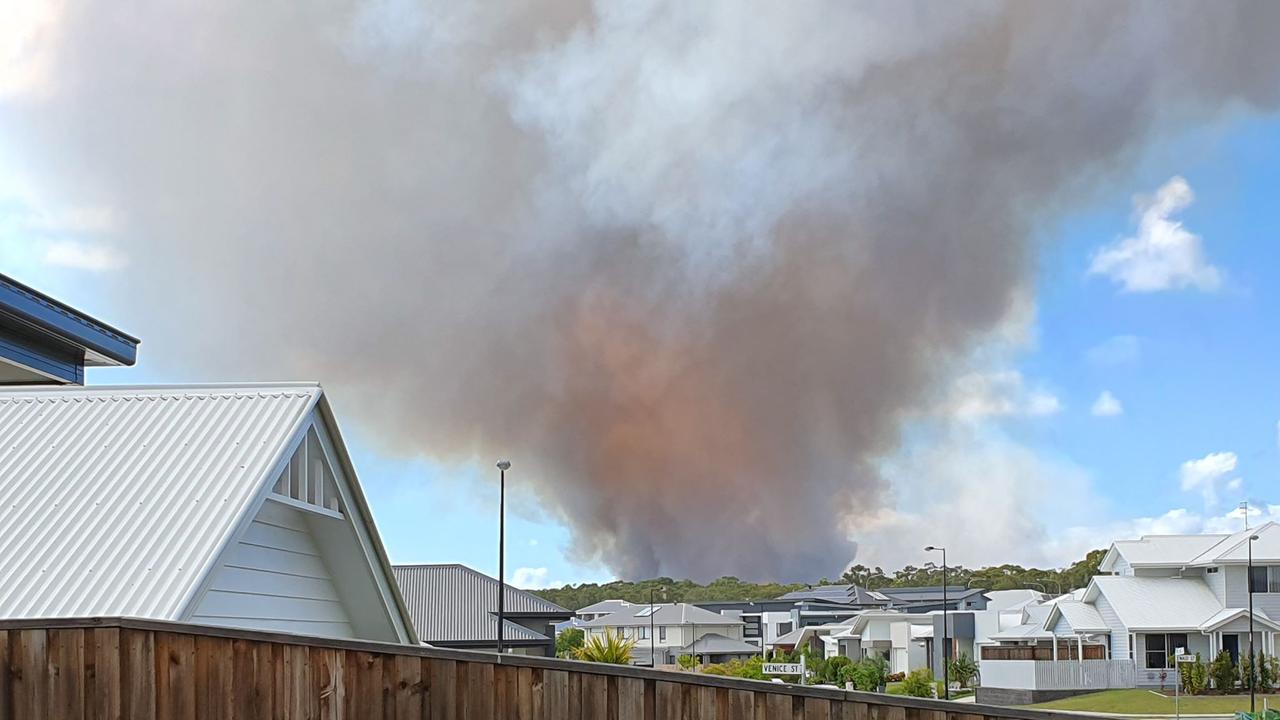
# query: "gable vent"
x,y
308,480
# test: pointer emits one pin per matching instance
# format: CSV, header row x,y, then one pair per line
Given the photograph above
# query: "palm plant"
x,y
611,649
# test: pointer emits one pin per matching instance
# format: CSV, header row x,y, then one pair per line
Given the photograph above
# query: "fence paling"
x,y
143,670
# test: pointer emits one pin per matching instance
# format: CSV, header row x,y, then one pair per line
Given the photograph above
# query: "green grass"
x,y
1145,702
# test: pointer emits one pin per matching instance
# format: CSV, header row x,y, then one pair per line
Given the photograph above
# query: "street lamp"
x,y
1253,661
503,467
946,642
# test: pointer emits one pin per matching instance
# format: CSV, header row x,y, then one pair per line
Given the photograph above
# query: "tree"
x,y
919,683
870,674
611,649
963,670
568,642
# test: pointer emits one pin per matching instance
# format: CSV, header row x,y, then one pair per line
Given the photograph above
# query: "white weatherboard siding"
x,y
1237,585
1119,634
276,579
1217,582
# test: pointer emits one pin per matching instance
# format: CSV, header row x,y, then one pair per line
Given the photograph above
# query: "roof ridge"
x,y
161,387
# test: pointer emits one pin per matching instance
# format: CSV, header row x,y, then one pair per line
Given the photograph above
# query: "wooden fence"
x,y
114,669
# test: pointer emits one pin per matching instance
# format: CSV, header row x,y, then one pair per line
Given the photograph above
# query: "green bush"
x,y
1247,671
611,649
1223,672
1194,676
963,670
686,661
919,683
832,671
568,642
1268,672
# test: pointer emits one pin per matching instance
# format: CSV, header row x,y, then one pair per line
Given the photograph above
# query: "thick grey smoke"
x,y
689,263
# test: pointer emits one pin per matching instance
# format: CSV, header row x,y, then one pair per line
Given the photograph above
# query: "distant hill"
x,y
996,577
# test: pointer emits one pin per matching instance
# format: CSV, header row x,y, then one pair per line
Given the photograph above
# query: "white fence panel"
x,y
1083,674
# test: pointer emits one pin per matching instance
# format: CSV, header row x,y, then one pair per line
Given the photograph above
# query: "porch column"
x,y
1080,649
1055,647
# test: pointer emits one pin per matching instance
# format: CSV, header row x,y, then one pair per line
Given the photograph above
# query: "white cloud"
x,y
1162,255
1107,405
998,394
94,257
1206,474
27,37
1118,350
530,578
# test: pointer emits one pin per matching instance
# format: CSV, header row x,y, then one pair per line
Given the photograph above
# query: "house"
x,y
601,609
904,639
665,631
43,341
455,606
1159,593
764,621
220,505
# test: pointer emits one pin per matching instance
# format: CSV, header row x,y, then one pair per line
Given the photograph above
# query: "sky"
x,y
1129,388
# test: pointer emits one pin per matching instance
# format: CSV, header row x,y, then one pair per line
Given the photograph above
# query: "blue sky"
x,y
1131,390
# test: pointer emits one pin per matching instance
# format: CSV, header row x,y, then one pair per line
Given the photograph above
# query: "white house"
x,y
220,505
1159,593
664,631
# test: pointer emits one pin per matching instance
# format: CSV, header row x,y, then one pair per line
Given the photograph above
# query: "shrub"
x,y
1223,672
611,649
686,661
1247,671
1268,672
868,674
568,642
919,683
1194,677
963,670
833,670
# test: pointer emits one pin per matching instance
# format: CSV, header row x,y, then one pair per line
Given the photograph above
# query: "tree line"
x,y
665,589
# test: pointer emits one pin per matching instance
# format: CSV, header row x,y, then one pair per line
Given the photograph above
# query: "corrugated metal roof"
x,y
453,603
115,501
1082,617
717,644
1159,603
663,614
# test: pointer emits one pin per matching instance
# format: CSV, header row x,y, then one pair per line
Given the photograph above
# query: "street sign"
x,y
1186,658
783,668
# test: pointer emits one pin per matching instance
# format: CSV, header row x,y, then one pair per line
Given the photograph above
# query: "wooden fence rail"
x,y
114,669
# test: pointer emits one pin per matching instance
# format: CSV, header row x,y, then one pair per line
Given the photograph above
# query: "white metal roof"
x,y
1166,550
1082,617
454,603
1235,548
1156,602
118,501
1226,615
664,614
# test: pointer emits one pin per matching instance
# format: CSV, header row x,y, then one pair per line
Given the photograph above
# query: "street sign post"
x,y
786,669
1180,656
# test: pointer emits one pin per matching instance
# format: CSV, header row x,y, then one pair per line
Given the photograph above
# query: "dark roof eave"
x,y
65,325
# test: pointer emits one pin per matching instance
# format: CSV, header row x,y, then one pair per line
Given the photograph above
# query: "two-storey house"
x,y
663,632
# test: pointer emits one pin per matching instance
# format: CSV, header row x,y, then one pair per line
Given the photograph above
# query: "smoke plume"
x,y
690,264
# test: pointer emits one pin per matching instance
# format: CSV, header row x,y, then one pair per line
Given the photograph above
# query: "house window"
x,y
784,628
1258,579
751,627
1160,647
1157,657
644,633
662,632
1211,570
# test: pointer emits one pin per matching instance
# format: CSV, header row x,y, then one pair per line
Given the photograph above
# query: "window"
x,y
784,628
662,632
646,612
1160,647
1211,570
1157,657
1258,579
751,628
644,633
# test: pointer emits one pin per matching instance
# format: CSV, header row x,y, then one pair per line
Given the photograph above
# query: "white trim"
x,y
305,506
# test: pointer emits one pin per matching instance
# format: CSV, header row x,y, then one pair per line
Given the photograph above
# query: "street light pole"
x,y
946,642
653,656
1253,661
503,467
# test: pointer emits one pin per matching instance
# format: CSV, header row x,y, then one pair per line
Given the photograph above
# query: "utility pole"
x,y
503,467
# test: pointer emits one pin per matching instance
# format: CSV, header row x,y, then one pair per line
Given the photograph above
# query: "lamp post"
x,y
652,651
1253,661
946,643
503,467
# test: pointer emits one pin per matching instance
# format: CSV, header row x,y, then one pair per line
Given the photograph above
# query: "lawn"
x,y
1145,702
